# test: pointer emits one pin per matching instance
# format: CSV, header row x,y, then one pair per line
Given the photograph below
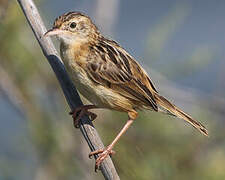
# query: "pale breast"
x,y
97,94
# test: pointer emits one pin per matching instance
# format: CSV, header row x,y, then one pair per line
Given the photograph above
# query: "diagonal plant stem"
x,y
89,132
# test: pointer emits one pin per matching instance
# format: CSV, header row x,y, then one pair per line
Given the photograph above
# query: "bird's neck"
x,y
76,51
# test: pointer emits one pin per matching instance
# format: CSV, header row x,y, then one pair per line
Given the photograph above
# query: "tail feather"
x,y
171,108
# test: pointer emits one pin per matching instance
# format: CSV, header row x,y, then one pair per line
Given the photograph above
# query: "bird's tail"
x,y
172,109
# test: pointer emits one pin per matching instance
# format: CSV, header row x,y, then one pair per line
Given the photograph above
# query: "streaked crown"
x,y
76,22
67,17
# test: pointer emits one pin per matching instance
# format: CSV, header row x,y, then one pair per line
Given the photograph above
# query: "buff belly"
x,y
99,95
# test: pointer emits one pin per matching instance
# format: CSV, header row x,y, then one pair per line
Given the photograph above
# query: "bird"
x,y
108,76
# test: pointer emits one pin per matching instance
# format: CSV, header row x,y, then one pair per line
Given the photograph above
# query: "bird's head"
x,y
73,26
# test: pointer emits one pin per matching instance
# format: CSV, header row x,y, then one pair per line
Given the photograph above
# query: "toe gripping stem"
x,y
79,112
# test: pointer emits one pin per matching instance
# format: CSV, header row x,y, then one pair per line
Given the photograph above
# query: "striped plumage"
x,y
115,68
109,66
105,73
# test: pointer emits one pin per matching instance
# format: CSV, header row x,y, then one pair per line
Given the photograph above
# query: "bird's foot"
x,y
103,153
79,112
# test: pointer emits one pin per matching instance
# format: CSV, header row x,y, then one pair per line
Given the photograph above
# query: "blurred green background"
x,y
179,43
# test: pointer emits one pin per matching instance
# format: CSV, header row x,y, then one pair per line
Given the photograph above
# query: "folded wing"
x,y
115,68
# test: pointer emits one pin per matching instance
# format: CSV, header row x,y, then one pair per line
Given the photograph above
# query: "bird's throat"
x,y
74,53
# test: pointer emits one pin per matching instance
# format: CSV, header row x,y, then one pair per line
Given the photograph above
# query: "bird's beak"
x,y
53,32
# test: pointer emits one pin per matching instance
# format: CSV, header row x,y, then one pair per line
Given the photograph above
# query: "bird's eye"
x,y
73,25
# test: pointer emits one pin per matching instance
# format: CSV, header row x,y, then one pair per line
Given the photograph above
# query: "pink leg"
x,y
103,153
79,112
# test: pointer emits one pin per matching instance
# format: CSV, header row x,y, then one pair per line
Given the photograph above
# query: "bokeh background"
x,y
179,43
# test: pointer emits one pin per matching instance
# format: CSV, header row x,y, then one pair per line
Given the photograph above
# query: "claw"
x,y
103,153
92,115
95,153
79,112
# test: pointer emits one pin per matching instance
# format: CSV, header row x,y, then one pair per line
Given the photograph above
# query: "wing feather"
x,y
121,72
